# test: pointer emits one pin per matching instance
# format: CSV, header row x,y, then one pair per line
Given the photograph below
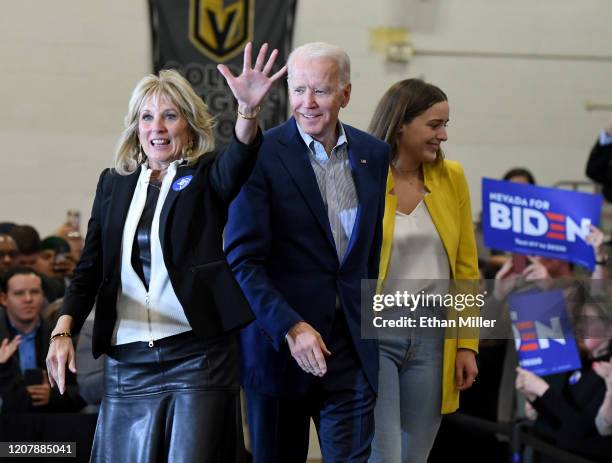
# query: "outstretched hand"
x,y
252,85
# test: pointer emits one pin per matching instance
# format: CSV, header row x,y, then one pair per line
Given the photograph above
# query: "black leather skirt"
x,y
177,401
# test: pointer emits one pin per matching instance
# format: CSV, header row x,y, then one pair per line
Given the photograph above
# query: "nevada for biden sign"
x,y
529,219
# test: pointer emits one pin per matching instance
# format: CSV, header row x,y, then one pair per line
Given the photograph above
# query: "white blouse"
x,y
417,253
156,314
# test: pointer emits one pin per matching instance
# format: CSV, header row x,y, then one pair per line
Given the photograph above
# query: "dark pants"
x,y
176,401
341,403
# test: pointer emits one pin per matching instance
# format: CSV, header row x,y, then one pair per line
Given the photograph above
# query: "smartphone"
x,y
601,358
33,376
519,263
73,218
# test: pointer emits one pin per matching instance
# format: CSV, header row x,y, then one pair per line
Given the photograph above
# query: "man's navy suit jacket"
x,y
280,246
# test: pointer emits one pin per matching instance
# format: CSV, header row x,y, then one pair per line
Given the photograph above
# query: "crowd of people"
x,y
34,278
211,270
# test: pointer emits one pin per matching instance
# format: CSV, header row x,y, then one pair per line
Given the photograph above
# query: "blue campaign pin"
x,y
181,183
575,377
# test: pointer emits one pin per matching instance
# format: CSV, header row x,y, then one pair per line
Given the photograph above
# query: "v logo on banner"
x,y
219,31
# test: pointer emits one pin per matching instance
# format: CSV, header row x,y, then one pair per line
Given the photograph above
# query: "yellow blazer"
x,y
448,203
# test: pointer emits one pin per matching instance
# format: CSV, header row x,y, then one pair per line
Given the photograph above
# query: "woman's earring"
x,y
141,155
189,150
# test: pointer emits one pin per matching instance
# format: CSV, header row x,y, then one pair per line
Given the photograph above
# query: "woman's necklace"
x,y
409,176
405,171
155,180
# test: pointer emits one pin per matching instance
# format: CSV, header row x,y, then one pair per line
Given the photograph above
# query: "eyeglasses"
x,y
11,254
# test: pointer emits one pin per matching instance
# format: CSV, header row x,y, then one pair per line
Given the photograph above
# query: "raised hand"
x,y
252,85
596,238
7,349
536,270
604,370
505,281
530,384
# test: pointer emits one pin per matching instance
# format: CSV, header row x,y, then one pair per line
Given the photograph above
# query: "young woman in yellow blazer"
x,y
427,236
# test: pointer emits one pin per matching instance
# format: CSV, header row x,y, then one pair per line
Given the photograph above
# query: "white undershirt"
x,y
417,253
164,316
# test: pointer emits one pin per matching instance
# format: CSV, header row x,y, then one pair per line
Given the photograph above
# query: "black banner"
x,y
193,36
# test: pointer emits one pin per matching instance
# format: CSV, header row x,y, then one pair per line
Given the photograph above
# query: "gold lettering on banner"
x,y
221,28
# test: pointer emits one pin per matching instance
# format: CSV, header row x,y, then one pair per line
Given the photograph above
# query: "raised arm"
x,y
250,88
233,166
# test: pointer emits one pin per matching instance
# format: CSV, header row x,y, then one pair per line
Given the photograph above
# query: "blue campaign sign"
x,y
529,219
543,335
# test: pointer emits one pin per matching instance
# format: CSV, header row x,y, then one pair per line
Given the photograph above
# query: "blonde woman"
x,y
427,236
167,304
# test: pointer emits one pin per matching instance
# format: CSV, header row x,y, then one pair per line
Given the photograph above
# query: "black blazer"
x,y
191,234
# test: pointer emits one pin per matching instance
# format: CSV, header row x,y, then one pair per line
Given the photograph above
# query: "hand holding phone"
x,y
33,376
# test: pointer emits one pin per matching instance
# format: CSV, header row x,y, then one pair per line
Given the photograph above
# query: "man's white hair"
x,y
315,50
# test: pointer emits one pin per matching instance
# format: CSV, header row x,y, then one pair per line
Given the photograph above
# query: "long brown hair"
x,y
404,101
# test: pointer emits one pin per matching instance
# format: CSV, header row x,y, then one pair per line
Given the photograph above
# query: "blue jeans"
x,y
407,413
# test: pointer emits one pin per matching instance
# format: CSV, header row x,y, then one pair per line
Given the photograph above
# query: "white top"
x,y
143,316
417,252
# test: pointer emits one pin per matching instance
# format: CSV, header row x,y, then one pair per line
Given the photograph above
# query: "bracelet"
x,y
603,261
63,334
249,117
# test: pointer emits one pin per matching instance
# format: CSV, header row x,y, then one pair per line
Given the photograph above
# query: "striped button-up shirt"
x,y
337,187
